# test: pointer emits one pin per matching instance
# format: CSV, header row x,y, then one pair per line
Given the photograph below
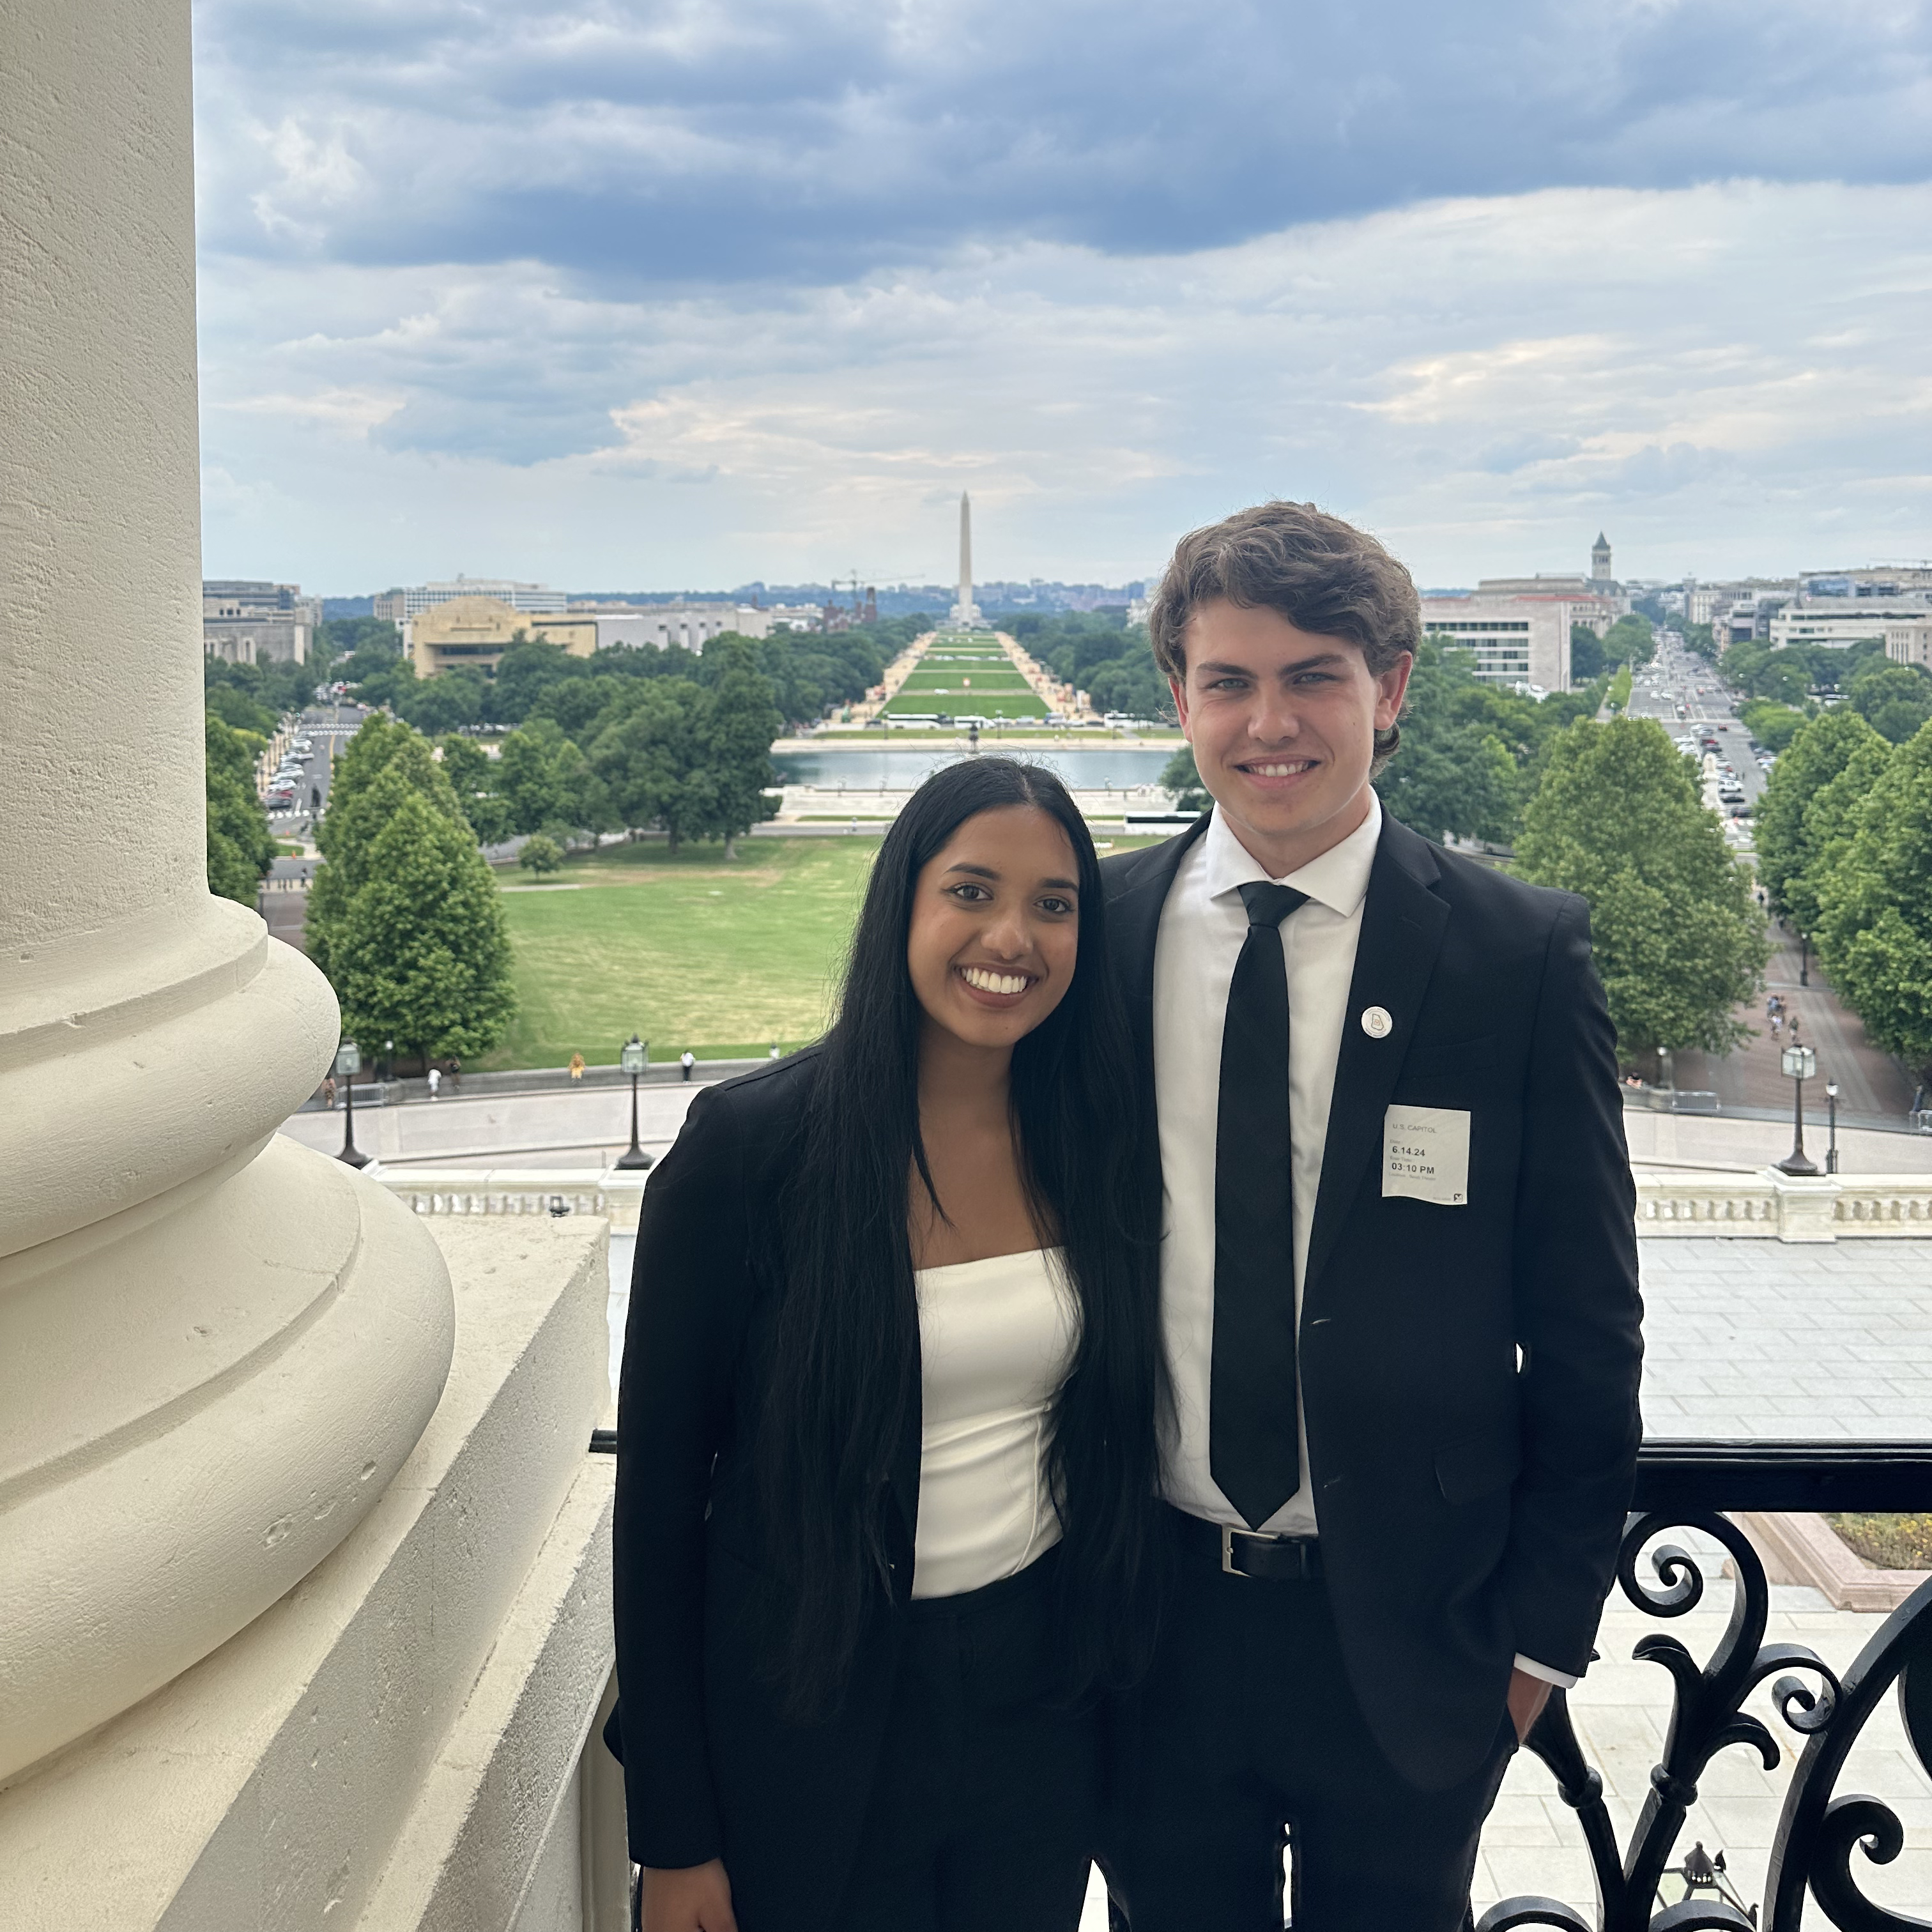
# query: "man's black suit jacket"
x,y
1469,1373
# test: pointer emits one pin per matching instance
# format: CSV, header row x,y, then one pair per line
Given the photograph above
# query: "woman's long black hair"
x,y
846,1352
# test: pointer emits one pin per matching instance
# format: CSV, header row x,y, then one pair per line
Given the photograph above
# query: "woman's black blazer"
x,y
711,1768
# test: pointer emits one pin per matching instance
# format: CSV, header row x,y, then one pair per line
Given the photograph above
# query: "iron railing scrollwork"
x,y
1824,1839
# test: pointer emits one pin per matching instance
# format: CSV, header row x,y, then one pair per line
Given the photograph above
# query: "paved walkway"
x,y
586,1127
1870,1082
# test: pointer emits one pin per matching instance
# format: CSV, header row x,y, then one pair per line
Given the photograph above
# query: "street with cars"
x,y
1699,709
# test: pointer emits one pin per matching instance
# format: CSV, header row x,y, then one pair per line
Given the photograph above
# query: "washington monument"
x,y
965,613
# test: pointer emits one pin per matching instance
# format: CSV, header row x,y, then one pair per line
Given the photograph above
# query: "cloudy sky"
x,y
666,293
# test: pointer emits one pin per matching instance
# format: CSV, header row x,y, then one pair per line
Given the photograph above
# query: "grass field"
x,y
945,680
689,952
977,703
724,959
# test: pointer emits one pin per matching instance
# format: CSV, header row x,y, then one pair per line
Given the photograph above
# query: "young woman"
x,y
886,1433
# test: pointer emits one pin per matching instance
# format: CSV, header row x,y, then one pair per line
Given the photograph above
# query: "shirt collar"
x,y
1338,878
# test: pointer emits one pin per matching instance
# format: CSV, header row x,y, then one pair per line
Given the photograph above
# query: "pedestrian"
x,y
1777,1025
435,1080
878,1558
329,1092
687,1060
576,1068
1405,1421
774,1053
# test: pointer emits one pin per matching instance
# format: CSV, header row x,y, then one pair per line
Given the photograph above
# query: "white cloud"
x,y
1731,377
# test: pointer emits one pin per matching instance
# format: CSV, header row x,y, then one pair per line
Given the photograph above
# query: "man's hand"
x,y
1527,1697
687,1898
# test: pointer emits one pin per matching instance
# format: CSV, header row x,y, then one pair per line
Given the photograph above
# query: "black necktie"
x,y
1253,1448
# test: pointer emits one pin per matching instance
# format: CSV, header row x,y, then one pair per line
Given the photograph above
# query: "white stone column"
x,y
215,1347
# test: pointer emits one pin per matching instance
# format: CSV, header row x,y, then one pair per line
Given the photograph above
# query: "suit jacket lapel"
x,y
1402,923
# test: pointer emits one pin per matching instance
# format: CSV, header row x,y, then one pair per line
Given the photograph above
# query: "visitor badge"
x,y
1425,1155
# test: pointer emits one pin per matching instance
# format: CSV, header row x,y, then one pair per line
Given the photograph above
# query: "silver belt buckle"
x,y
1227,1554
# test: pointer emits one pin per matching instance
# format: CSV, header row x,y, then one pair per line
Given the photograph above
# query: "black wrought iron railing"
x,y
1826,1839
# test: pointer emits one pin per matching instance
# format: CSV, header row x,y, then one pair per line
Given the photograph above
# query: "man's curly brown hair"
x,y
1323,575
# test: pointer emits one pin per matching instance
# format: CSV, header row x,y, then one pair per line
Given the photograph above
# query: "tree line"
x,y
1785,686
1844,851
1099,652
809,673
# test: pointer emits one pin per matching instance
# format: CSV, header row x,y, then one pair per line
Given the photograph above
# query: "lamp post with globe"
x,y
348,1064
634,1057
1832,1103
1800,1063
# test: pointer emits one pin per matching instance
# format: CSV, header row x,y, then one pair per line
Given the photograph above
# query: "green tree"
x,y
1587,662
241,848
1679,942
736,725
1774,726
1629,640
1471,751
235,707
540,855
646,755
541,775
1180,776
471,773
1874,930
384,762
525,673
1895,699
1810,802
444,702
420,954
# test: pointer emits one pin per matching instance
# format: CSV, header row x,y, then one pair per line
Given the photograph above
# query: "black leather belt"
x,y
1242,1552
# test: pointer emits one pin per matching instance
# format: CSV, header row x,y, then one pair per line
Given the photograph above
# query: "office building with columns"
x,y
305,1613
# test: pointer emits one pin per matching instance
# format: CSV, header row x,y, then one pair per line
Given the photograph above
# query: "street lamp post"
x,y
1804,959
633,1057
1832,1103
348,1064
1800,1063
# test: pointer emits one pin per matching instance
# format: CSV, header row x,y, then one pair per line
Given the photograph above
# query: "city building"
x,y
1514,640
400,606
1840,621
246,620
799,617
1910,643
477,631
1599,560
1879,580
692,624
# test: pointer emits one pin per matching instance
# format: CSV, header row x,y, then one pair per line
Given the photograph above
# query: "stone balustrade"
x,y
1764,1206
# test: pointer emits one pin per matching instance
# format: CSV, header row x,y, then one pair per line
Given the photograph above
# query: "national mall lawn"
x,y
724,957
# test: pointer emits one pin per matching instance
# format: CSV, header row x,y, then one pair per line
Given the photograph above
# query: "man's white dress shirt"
x,y
1203,926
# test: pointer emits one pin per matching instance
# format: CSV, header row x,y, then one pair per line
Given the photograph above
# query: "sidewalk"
x,y
1870,1082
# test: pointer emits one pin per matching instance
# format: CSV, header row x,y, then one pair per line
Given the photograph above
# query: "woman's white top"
x,y
996,1338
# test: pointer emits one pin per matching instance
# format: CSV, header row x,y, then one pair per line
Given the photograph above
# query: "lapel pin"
x,y
1376,1023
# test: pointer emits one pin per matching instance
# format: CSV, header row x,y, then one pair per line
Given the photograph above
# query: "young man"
x,y
1398,1276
